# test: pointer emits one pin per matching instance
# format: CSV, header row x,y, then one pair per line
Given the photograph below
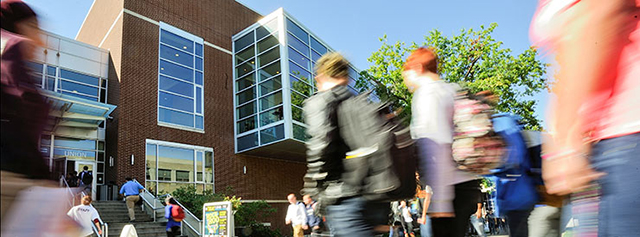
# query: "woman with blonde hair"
x,y
86,215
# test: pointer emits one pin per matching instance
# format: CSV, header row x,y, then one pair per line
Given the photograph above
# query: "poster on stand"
x,y
217,220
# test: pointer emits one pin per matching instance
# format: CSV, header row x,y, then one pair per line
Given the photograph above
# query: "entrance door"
x,y
91,165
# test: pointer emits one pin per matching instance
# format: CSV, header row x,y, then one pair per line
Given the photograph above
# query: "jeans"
x,y
355,216
175,231
478,225
544,221
425,229
619,158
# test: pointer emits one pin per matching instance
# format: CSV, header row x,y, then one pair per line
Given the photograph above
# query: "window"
x,y
177,165
65,148
69,82
181,78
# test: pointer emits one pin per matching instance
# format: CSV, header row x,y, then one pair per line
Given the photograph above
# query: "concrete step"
x,y
150,229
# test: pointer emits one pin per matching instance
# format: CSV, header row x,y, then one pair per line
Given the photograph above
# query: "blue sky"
x,y
354,26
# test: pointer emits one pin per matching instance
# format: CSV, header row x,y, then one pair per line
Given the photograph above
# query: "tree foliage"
x,y
473,59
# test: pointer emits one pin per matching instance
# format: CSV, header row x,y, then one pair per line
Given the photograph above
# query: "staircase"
x,y
116,215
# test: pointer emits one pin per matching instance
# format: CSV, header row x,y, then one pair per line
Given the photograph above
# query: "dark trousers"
x,y
464,204
518,222
175,231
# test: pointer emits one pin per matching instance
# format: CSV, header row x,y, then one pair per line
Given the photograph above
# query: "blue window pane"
x,y
176,102
268,57
167,152
353,73
51,71
176,41
78,88
271,116
79,95
37,79
176,86
299,72
300,132
177,56
199,122
199,49
317,46
299,59
175,70
79,77
244,42
247,141
170,116
266,29
247,124
199,78
246,110
199,100
199,63
269,71
272,134
34,67
245,68
315,56
298,45
270,101
245,96
74,143
297,31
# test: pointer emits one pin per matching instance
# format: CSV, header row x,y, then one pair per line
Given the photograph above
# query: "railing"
x,y
190,220
103,225
72,203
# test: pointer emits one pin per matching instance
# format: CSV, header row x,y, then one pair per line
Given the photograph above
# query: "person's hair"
x,y
425,57
128,179
333,65
170,200
12,12
292,194
85,167
86,200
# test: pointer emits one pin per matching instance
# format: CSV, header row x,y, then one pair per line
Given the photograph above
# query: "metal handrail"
x,y
187,212
103,225
153,206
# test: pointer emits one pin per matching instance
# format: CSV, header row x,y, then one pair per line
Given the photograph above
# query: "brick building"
x,y
202,96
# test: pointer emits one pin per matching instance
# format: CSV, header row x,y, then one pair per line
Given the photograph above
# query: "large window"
x,y
180,79
173,165
75,149
69,82
258,87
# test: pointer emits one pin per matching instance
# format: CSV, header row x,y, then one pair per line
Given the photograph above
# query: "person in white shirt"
x,y
86,215
455,191
296,215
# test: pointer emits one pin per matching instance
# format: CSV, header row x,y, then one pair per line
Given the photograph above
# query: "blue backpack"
x,y
515,188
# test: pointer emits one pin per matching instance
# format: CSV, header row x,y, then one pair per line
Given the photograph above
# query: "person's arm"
x,y
425,207
122,189
602,28
287,218
479,211
140,187
97,223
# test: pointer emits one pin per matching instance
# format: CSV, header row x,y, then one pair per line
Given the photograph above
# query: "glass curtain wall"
x,y
69,82
75,149
180,79
169,167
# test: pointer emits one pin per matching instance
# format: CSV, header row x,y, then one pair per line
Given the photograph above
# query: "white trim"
x,y
180,127
85,19
178,145
140,16
217,47
110,28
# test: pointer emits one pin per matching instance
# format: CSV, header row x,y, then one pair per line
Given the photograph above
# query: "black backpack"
x,y
87,178
382,158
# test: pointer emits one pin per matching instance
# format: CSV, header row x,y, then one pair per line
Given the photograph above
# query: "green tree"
x,y
472,58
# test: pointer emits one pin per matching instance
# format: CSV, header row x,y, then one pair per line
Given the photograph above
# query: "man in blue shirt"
x,y
131,191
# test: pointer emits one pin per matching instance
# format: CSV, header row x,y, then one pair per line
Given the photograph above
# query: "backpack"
x,y
87,178
382,159
476,147
177,214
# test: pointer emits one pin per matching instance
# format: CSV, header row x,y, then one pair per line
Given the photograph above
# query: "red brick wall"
x,y
133,87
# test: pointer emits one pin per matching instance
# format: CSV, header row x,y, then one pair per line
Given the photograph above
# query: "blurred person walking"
x,y
597,46
455,191
313,221
23,110
86,216
173,212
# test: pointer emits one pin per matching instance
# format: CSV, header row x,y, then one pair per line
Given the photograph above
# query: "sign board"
x,y
217,220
